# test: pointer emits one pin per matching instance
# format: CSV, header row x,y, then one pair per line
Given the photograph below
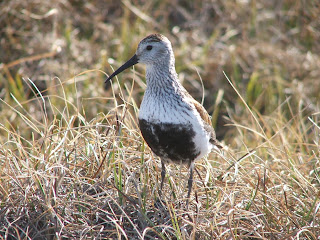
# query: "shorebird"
x,y
175,126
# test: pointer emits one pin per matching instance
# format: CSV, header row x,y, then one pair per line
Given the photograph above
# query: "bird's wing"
x,y
207,120
202,111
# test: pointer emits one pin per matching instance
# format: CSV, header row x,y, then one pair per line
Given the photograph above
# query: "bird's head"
x,y
154,49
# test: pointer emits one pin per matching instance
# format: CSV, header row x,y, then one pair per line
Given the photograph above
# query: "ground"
x,y
73,162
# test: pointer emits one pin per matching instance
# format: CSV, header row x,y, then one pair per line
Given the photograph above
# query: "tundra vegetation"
x,y
73,164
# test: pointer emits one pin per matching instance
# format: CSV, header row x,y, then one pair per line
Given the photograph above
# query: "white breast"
x,y
160,110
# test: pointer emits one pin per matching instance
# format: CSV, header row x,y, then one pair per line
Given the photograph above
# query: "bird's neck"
x,y
162,76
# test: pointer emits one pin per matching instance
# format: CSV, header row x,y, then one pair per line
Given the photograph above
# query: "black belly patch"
x,y
170,141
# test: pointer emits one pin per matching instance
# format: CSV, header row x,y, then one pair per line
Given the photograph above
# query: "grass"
x,y
73,162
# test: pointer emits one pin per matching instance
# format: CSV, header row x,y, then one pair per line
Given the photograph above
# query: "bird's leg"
x,y
163,174
190,181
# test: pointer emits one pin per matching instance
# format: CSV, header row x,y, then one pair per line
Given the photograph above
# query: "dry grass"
x,y
73,162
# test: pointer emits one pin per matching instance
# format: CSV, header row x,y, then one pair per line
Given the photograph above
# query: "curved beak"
x,y
132,61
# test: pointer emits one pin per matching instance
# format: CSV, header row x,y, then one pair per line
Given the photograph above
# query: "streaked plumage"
x,y
175,126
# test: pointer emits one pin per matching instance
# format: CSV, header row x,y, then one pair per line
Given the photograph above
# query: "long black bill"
x,y
132,61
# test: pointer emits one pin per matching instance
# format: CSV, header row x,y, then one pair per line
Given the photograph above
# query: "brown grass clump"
x,y
73,162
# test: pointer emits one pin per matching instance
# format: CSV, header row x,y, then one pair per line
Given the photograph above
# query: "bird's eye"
x,y
149,47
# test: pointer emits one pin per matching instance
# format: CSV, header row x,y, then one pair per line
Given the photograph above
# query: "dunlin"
x,y
176,127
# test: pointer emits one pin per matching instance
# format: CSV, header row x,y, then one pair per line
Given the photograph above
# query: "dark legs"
x,y
163,174
190,181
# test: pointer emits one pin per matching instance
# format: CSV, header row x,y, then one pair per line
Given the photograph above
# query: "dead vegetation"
x,y
73,162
